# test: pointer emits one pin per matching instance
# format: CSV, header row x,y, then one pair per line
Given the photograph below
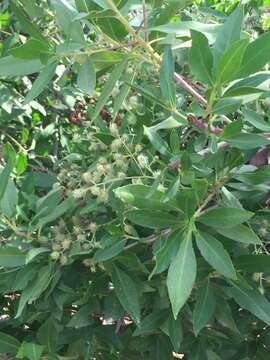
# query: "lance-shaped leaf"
x,y
230,62
204,306
200,57
126,293
4,177
86,79
228,33
108,87
153,220
8,344
30,351
214,253
224,217
256,56
240,233
182,275
167,83
43,79
252,301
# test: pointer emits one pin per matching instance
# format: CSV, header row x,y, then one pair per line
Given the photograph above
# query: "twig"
x,y
186,86
150,239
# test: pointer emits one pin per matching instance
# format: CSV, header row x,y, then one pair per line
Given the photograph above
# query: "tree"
x,y
134,184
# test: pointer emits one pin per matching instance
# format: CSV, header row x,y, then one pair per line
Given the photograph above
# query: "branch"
x,y
186,86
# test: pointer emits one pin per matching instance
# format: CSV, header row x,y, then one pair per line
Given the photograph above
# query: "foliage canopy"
x,y
134,179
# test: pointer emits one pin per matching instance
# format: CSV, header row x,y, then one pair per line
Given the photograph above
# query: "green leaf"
x,y
11,257
24,275
30,351
224,217
66,18
12,66
151,322
153,220
227,105
156,140
240,233
214,253
43,79
126,293
167,12
228,33
21,163
256,120
252,301
172,190
246,141
124,90
82,317
175,332
33,253
182,275
86,79
35,288
32,49
167,83
8,344
183,28
253,263
170,123
112,27
201,58
256,55
4,177
108,87
27,25
251,81
58,211
166,253
47,335
230,62
137,195
204,306
109,252
146,92
232,129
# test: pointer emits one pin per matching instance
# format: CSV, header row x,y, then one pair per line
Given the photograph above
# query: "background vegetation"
x,y
134,184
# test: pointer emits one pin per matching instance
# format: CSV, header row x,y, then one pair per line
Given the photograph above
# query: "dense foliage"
x,y
134,184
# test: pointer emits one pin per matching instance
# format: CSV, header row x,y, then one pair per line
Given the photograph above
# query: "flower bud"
x,y
63,260
56,247
55,255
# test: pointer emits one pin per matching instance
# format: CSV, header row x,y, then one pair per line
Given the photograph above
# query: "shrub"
x,y
134,188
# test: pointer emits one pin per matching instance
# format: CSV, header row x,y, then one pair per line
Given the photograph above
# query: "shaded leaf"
x,y
126,293
252,301
108,87
256,55
11,257
41,81
86,79
214,253
181,275
8,344
153,219
200,57
228,33
167,83
224,217
204,306
240,233
30,351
